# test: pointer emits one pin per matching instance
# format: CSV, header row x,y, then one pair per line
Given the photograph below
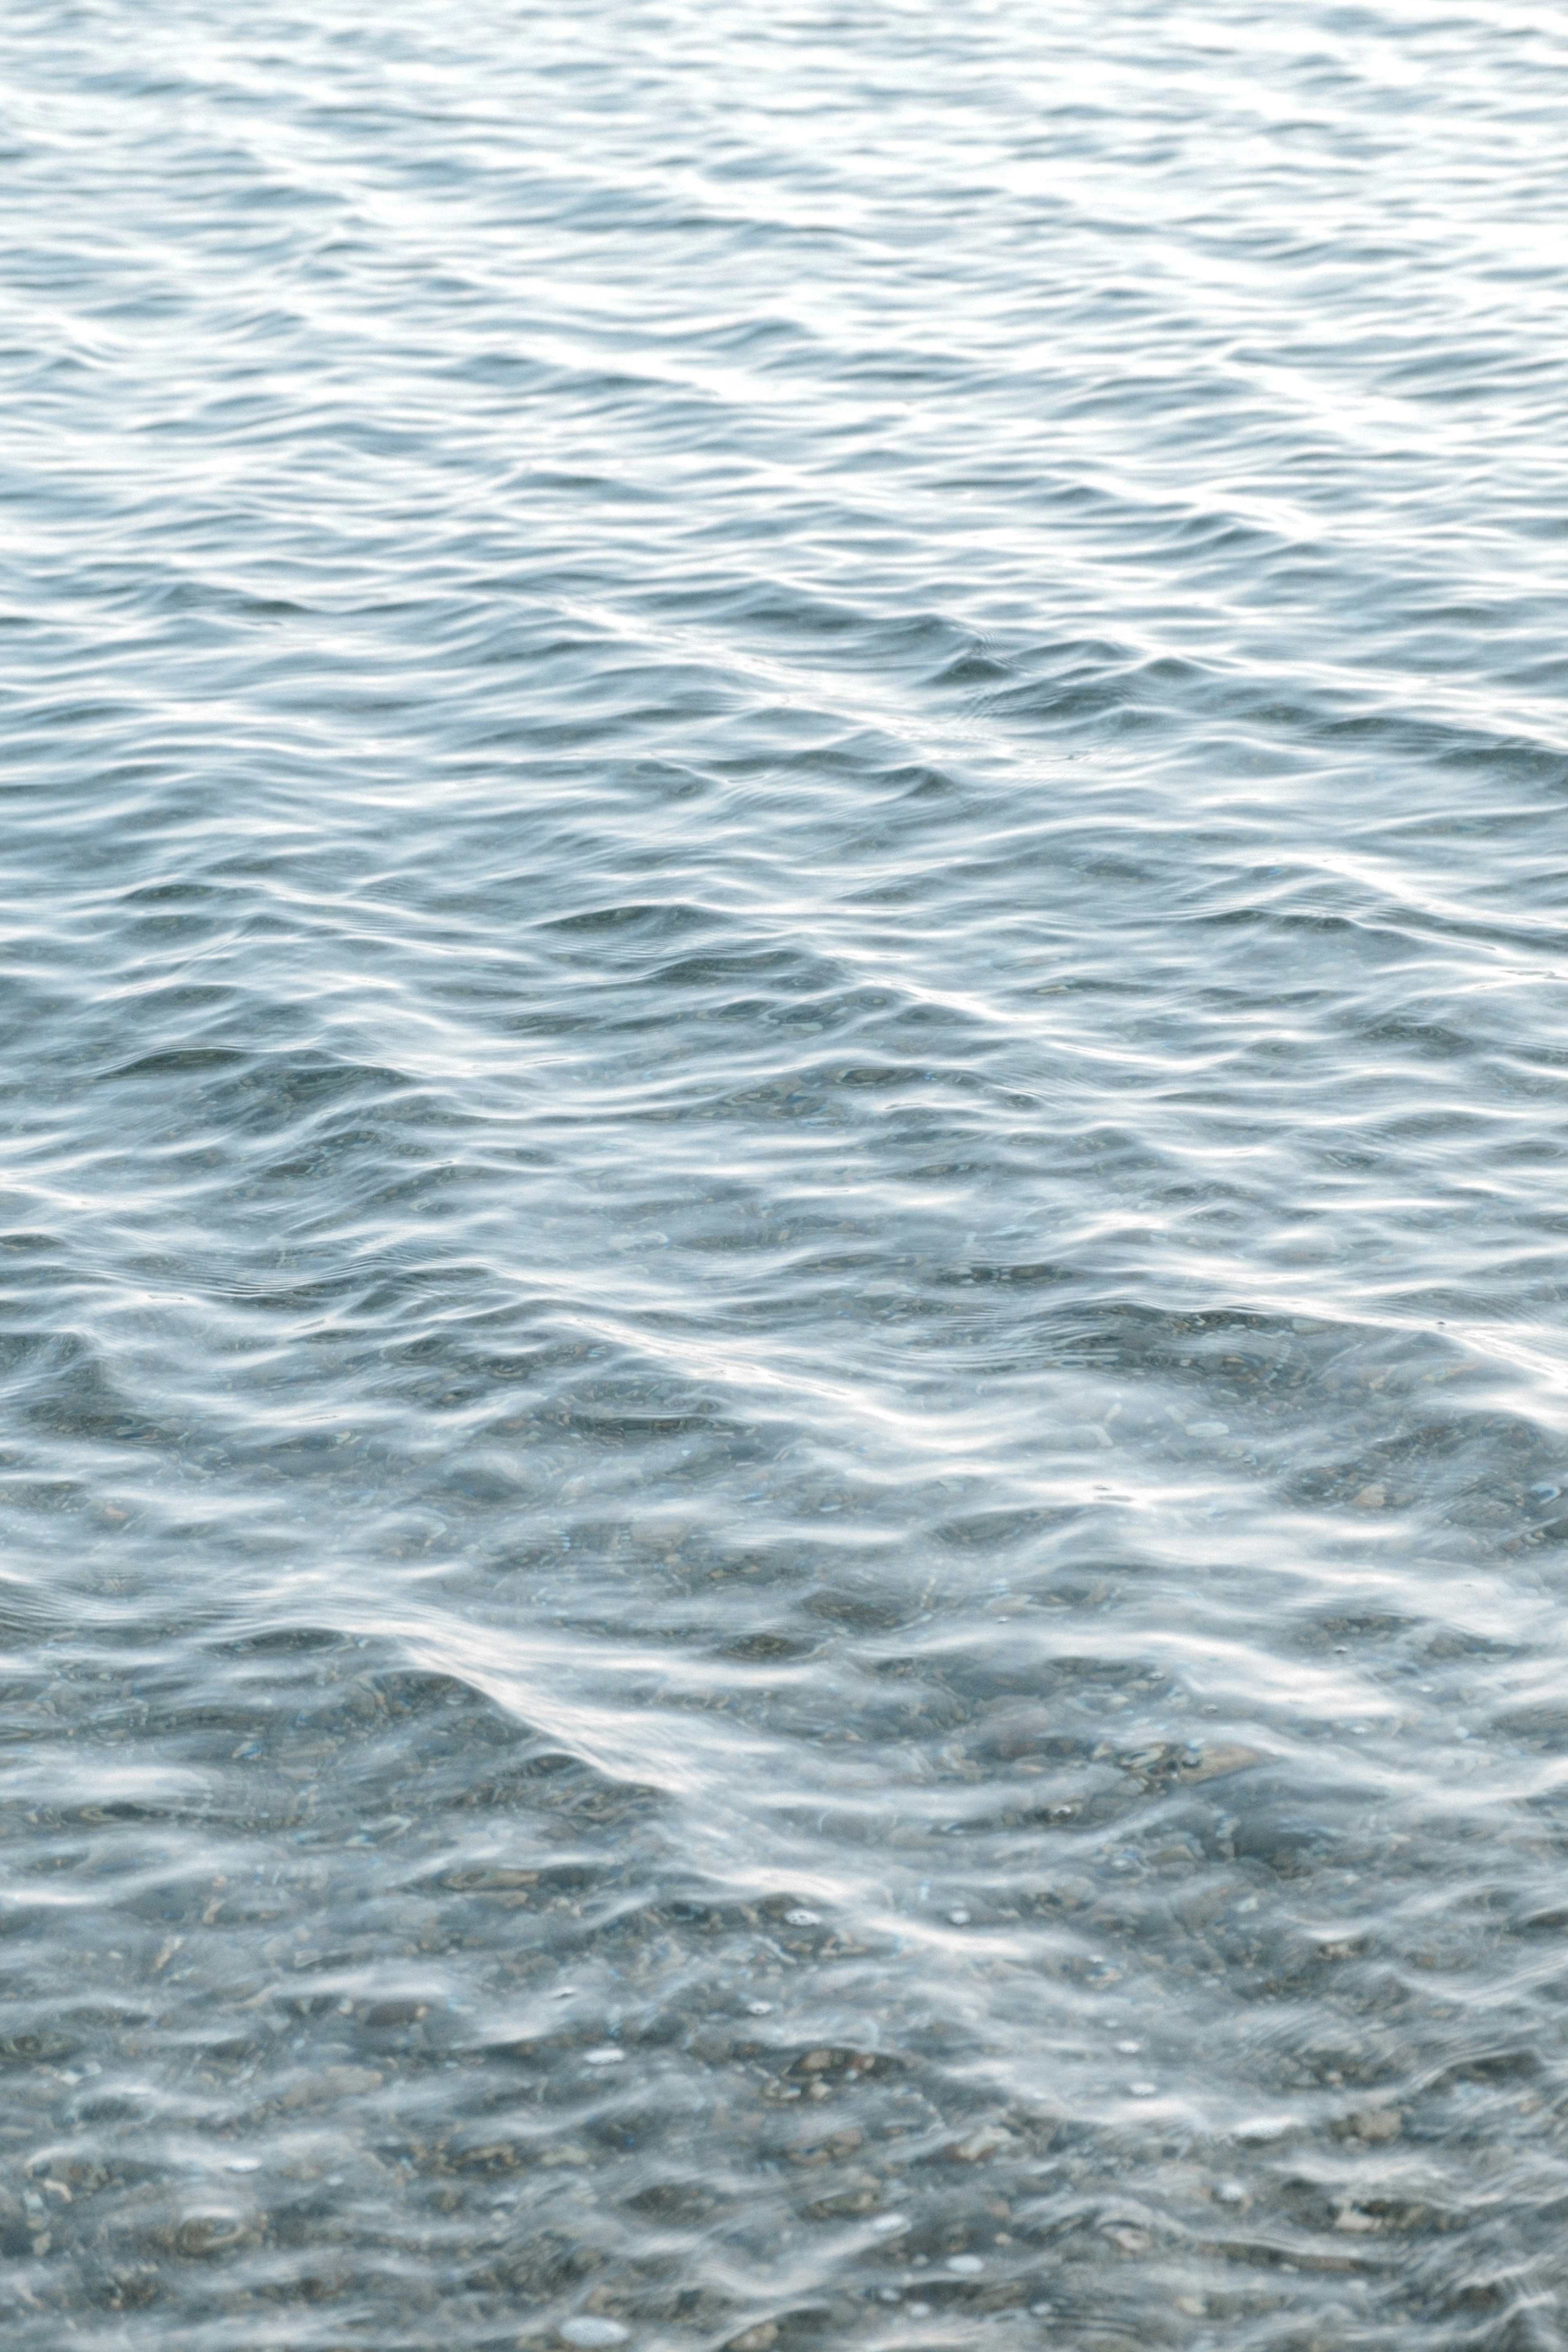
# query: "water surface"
x,y
785,942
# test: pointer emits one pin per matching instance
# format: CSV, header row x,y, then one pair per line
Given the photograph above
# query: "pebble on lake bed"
x,y
980,2144
1214,1763
588,2333
965,2266
211,2232
330,2082
608,2054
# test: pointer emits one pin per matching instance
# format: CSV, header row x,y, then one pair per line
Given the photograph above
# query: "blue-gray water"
x,y
786,940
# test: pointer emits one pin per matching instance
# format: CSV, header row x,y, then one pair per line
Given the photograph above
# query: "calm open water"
x,y
785,944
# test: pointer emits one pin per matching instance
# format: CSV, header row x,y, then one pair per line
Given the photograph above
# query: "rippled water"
x,y
785,930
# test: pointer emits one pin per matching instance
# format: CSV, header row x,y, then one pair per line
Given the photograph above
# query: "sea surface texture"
x,y
783,1203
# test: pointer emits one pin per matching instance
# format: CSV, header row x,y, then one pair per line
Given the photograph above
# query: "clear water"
x,y
785,1448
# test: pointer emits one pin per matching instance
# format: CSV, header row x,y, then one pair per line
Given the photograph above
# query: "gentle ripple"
x,y
784,943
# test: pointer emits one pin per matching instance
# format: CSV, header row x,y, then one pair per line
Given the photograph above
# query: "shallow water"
x,y
785,944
